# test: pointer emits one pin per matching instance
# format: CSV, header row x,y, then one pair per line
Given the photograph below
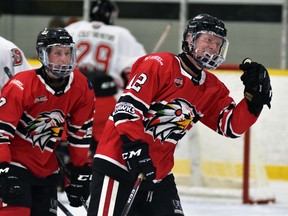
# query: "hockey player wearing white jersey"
x,y
12,60
103,46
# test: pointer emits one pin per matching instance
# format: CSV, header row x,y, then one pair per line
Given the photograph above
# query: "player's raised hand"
x,y
258,90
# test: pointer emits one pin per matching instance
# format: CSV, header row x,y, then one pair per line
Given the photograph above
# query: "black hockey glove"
x,y
10,186
136,155
79,186
258,91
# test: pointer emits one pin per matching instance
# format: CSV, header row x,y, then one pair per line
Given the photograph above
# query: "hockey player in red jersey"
x,y
104,51
34,106
166,95
102,62
106,61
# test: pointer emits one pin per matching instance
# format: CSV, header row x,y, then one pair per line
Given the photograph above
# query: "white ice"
x,y
218,206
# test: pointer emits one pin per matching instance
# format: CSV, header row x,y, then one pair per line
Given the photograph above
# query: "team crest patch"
x,y
178,81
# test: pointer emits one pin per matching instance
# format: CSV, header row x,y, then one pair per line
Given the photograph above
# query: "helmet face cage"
x,y
104,11
207,24
59,70
50,37
206,59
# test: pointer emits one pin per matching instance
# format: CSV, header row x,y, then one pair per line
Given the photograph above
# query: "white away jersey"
x,y
105,48
12,60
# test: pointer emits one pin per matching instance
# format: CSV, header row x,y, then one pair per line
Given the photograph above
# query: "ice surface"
x,y
219,206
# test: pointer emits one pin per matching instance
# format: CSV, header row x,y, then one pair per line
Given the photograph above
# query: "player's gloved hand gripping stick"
x,y
78,189
10,186
137,158
256,80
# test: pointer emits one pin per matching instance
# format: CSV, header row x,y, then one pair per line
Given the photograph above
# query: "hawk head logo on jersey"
x,y
172,120
45,127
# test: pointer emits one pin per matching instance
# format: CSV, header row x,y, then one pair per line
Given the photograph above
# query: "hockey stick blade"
x,y
132,195
64,209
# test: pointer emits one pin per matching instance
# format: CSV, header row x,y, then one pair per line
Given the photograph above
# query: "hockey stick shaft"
x,y
8,72
67,173
132,195
162,38
64,209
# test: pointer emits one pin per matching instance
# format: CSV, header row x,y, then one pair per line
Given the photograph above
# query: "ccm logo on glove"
x,y
138,160
84,177
131,154
5,170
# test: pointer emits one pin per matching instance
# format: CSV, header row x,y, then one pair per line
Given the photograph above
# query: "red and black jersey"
x,y
104,106
161,103
32,115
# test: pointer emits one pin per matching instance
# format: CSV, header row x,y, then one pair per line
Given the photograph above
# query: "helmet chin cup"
x,y
207,60
59,71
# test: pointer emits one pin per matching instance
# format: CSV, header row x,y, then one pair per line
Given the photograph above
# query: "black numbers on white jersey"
x,y
137,85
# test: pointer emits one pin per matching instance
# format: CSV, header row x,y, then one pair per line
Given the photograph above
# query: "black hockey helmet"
x,y
49,37
104,11
205,23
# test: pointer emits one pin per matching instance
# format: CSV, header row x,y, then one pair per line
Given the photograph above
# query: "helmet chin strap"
x,y
189,64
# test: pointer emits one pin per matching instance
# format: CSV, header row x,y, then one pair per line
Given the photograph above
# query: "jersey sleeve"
x,y
79,127
22,64
11,108
135,101
225,117
12,61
